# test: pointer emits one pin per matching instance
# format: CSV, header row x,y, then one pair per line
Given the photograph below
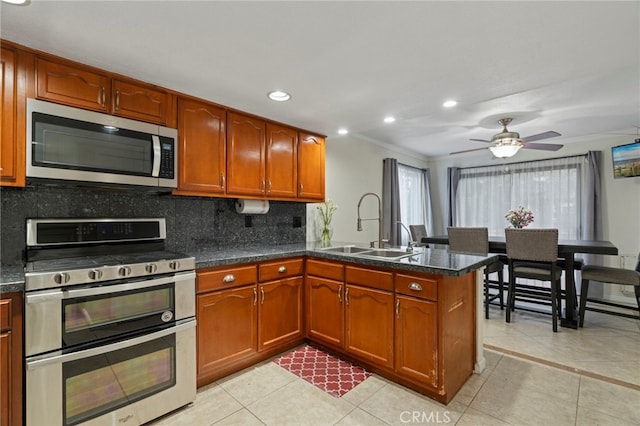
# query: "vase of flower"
x,y
326,211
520,217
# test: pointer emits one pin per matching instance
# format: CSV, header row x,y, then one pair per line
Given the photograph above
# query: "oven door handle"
x,y
48,359
97,291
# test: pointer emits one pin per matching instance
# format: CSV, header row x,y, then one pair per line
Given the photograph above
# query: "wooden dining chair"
x,y
476,241
608,275
533,254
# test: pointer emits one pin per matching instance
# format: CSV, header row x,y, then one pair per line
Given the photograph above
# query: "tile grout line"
x,y
559,366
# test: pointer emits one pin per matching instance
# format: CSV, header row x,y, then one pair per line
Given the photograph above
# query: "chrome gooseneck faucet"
x,y
412,243
379,218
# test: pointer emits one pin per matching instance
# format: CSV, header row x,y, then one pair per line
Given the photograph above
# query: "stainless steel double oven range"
x,y
109,322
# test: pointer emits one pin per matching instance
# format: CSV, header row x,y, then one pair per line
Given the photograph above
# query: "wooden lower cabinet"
x,y
324,311
241,321
416,340
11,359
227,330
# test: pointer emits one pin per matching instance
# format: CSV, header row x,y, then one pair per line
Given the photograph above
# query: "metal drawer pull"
x,y
415,286
229,278
282,269
255,297
262,293
340,293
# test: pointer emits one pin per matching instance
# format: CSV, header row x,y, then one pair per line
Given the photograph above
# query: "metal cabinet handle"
x,y
229,278
282,269
397,308
340,293
255,297
415,286
103,96
117,99
269,186
262,293
346,296
301,188
222,180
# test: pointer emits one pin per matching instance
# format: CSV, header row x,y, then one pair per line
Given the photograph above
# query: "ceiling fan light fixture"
x,y
506,148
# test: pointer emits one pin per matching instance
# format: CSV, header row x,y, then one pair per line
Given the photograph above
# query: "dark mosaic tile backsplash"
x,y
192,222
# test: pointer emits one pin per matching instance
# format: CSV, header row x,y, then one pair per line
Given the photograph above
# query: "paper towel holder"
x,y
252,206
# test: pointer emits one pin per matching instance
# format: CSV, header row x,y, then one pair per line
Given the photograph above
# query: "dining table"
x,y
567,249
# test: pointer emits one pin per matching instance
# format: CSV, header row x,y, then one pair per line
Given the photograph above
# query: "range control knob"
x,y
124,271
95,274
61,278
151,268
174,265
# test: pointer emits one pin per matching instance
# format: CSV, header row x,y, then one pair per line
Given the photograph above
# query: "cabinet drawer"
x,y
226,278
5,314
370,278
331,270
280,269
424,288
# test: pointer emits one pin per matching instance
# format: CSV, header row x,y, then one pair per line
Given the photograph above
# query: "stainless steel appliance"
x,y
109,322
74,144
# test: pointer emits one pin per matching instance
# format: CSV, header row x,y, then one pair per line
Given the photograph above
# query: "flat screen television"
x,y
626,160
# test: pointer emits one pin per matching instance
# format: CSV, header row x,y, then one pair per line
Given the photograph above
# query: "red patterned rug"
x,y
331,374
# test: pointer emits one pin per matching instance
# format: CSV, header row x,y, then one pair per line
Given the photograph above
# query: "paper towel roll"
x,y
252,206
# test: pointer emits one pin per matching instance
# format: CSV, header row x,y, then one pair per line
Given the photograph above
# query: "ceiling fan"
x,y
507,144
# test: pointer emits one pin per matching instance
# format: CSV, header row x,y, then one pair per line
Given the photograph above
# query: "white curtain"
x,y
551,189
415,199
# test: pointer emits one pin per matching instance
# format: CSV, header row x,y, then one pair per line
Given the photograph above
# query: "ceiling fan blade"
x,y
542,146
480,140
466,150
540,136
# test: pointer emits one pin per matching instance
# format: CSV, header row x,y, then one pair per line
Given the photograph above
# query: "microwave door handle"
x,y
155,171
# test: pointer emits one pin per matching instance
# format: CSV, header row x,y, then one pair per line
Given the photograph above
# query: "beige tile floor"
x,y
533,377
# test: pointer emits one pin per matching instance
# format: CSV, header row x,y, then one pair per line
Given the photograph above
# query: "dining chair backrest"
x,y
471,240
417,232
538,245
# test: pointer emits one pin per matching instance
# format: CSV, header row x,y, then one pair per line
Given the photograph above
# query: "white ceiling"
x,y
572,67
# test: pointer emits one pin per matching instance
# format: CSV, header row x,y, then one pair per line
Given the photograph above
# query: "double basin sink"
x,y
389,254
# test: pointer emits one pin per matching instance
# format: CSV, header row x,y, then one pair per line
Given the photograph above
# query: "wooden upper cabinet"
x,y
76,86
202,148
311,167
281,161
72,86
246,155
140,102
12,115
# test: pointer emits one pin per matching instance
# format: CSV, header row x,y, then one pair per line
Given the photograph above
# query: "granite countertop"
x,y
430,260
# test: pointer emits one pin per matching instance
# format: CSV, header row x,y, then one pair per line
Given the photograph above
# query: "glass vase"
x,y
325,237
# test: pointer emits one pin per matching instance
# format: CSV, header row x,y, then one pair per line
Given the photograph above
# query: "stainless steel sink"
x,y
386,254
347,249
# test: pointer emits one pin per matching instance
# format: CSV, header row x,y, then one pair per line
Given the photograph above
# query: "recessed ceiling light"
x,y
342,131
450,104
19,2
279,96
389,119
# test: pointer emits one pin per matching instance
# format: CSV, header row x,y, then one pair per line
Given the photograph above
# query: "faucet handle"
x,y
372,244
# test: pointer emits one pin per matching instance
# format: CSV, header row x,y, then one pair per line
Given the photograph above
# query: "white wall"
x,y
354,167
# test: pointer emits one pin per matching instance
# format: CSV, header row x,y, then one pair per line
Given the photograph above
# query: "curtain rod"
x,y
522,162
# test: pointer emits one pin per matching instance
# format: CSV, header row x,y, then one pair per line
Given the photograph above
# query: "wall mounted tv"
x,y
626,160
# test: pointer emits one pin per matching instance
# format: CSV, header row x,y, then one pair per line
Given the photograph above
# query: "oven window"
x,y
102,383
93,318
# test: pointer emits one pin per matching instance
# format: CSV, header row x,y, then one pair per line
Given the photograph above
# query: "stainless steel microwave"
x,y
74,144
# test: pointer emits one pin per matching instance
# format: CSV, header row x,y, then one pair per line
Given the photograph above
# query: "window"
x,y
414,198
551,189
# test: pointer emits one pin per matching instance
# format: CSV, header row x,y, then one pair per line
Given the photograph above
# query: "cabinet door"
x,y
5,375
139,102
245,155
226,328
325,315
11,359
417,340
12,116
279,312
369,324
202,147
72,86
311,166
282,161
